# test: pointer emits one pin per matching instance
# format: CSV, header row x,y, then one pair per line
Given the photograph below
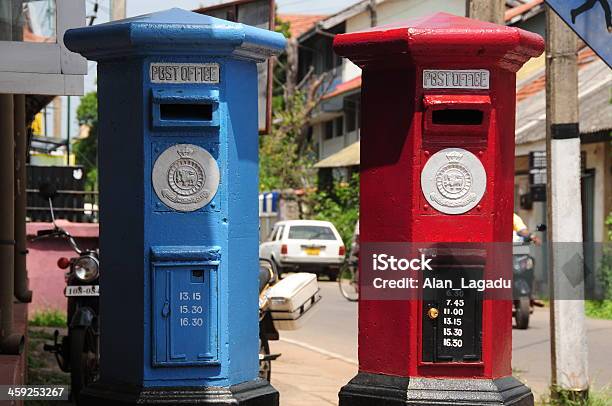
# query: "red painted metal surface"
x,y
397,138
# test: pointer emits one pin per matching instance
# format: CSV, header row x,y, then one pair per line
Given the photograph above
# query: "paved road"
x,y
332,331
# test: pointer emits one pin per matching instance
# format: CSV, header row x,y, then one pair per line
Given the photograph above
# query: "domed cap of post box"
x,y
440,37
174,32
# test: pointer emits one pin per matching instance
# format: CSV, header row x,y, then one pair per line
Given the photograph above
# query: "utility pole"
x,y
117,10
68,116
373,14
486,10
567,320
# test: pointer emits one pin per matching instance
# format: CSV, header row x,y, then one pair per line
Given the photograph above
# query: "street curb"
x,y
320,351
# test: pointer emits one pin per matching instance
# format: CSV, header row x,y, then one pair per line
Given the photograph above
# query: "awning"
x,y
348,156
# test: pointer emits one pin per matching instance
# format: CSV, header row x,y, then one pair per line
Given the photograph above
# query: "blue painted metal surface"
x,y
591,20
179,302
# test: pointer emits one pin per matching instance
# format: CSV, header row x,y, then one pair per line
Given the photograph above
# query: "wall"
x,y
596,158
330,146
351,137
46,279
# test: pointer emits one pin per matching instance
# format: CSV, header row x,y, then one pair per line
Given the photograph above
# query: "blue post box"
x,y
178,157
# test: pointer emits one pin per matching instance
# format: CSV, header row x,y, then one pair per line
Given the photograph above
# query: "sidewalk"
x,y
305,377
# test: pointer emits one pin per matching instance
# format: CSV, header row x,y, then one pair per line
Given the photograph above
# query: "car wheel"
x,y
332,274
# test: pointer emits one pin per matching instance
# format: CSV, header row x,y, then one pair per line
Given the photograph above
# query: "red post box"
x,y
437,166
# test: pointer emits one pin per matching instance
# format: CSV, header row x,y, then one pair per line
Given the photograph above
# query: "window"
x,y
33,21
351,112
328,130
339,126
272,235
351,119
311,233
279,235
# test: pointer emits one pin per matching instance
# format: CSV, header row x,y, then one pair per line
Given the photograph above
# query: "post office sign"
x,y
456,79
184,73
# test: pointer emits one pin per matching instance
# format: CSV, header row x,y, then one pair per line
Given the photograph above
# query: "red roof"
x,y
585,57
300,23
518,10
29,36
344,87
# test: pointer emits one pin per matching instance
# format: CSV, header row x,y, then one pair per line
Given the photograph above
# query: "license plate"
x,y
86,290
312,251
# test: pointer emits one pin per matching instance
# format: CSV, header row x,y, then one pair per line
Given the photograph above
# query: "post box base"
x,y
253,393
384,390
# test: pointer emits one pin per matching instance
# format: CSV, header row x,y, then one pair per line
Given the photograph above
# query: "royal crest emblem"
x,y
185,177
453,181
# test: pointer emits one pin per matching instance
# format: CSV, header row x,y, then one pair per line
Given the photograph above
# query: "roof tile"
x,y
300,23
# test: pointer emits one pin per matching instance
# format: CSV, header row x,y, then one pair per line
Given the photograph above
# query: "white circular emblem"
x,y
185,177
453,181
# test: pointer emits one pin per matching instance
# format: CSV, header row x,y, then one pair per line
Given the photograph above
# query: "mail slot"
x,y
178,208
449,116
437,141
185,108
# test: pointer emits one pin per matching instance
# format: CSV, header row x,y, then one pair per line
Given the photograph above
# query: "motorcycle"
x,y
523,265
268,276
78,352
283,305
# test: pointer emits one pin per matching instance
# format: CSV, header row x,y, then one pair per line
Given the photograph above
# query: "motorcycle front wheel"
x,y
523,310
83,359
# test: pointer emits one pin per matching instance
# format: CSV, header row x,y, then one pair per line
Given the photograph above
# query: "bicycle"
x,y
348,279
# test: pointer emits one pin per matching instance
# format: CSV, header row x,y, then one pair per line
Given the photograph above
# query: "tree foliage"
x,y
340,205
603,308
86,149
284,161
605,266
286,153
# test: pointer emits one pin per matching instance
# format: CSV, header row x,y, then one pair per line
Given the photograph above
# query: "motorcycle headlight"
x,y
86,268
